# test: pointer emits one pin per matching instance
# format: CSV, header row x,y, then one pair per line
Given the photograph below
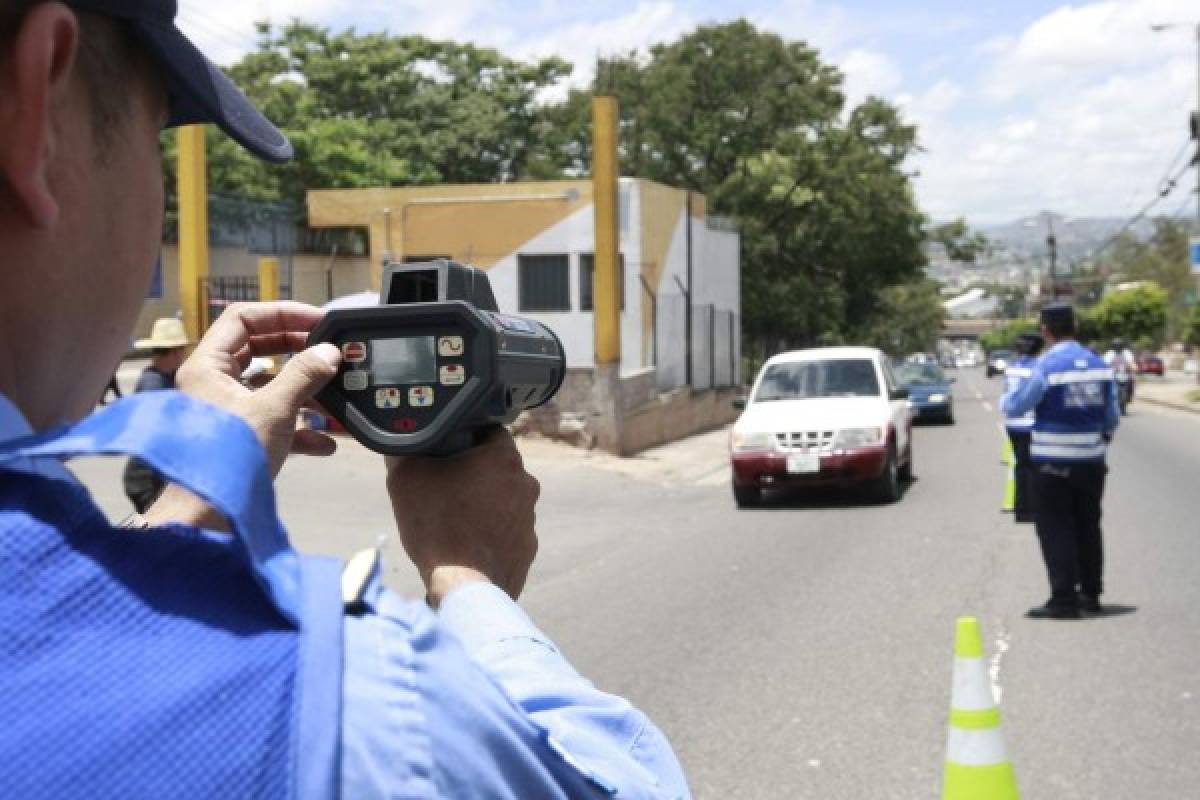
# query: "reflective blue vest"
x,y
1016,375
1071,417
172,662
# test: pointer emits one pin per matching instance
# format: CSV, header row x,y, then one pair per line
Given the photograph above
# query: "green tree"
x,y
960,243
1132,314
910,319
758,124
380,110
1162,259
1004,338
1192,331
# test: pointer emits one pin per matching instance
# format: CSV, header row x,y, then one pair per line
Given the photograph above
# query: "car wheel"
x,y
747,496
887,485
949,417
905,472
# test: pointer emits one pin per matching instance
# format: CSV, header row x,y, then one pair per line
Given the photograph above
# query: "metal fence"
x,y
715,348
219,293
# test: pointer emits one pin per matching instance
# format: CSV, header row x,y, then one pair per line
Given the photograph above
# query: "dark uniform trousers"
x,y
1066,501
1022,476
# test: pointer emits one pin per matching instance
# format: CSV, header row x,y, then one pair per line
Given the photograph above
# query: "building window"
x,y
543,283
587,278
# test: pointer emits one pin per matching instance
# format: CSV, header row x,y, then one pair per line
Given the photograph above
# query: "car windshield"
x,y
920,375
799,380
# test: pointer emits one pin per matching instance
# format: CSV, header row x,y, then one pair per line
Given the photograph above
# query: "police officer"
x,y
1074,398
1016,375
204,656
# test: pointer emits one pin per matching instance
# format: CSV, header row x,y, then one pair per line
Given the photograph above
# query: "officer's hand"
x,y
212,373
468,517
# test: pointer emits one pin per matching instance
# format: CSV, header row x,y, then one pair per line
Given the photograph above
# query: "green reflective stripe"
x,y
968,643
975,720
994,782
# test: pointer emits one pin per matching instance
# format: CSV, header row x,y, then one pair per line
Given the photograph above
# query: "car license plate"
x,y
804,464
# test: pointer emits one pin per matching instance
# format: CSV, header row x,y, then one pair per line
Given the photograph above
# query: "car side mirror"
x,y
739,403
899,394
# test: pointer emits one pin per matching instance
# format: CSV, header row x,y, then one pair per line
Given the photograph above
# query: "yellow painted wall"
x,y
473,223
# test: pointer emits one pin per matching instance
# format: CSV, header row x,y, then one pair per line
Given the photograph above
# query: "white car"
x,y
829,416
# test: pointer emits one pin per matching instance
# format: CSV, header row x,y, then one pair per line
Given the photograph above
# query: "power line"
x,y
1164,191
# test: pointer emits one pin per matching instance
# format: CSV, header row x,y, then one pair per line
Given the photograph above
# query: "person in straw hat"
x,y
168,345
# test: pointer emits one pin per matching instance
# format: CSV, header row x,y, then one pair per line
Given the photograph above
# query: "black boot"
x,y
1056,608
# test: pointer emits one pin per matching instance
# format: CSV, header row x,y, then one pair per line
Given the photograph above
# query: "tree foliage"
x,y
379,110
1134,315
1162,259
758,124
960,243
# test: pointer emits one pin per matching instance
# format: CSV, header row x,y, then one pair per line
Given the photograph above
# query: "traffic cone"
x,y
977,765
1009,459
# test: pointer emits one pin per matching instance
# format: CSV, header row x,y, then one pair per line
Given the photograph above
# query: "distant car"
x,y
929,394
828,416
998,362
965,360
1150,364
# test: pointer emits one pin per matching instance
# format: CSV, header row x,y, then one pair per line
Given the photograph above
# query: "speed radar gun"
x,y
435,364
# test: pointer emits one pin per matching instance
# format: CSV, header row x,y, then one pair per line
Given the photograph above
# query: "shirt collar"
x,y
13,425
12,422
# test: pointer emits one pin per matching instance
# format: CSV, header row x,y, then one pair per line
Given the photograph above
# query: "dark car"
x,y
998,361
929,394
1149,364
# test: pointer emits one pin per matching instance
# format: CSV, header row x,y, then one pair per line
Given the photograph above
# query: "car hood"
x,y
817,413
920,390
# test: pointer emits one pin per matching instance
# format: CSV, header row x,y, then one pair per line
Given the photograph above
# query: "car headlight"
x,y
854,438
752,442
938,398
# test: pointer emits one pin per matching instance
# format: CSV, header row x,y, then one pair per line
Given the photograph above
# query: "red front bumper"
x,y
770,469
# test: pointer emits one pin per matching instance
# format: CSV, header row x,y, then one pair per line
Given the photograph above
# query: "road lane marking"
x,y
1002,644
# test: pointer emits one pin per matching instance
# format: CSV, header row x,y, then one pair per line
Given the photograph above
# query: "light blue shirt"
x,y
470,702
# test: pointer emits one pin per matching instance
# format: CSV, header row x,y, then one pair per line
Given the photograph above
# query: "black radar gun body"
x,y
435,364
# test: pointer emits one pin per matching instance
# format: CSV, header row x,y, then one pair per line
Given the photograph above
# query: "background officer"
x,y
1016,375
1072,393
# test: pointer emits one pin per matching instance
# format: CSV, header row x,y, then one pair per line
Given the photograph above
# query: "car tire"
x,y
906,472
887,486
747,496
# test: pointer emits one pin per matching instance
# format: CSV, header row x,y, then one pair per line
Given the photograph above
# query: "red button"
x,y
354,352
404,425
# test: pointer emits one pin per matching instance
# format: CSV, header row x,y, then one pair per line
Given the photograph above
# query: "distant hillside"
x,y
1026,237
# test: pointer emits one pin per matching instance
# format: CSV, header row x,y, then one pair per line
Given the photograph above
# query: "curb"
x,y
1191,408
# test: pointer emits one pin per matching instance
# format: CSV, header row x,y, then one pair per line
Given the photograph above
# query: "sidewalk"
x,y
1170,392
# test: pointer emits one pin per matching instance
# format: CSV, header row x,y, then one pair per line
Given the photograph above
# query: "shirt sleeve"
x,y
477,702
1025,396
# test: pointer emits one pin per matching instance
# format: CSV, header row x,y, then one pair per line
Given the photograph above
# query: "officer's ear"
x,y
35,83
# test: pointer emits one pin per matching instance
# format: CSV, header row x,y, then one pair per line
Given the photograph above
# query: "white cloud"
x,y
868,72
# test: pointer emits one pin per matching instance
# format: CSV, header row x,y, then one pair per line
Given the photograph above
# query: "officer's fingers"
x,y
313,443
241,322
303,376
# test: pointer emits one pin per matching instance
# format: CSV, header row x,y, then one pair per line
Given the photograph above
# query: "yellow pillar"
x,y
268,279
606,294
193,229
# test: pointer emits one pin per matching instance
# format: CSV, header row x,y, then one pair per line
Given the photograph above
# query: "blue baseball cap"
x,y
199,90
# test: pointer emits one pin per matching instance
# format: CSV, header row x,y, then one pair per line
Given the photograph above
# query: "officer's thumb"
x,y
304,375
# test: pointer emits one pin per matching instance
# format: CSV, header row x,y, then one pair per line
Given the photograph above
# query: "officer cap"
x,y
199,91
1058,314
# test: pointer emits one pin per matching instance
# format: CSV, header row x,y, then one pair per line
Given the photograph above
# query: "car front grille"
x,y
806,441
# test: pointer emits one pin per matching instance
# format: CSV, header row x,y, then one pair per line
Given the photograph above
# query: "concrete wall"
x,y
675,416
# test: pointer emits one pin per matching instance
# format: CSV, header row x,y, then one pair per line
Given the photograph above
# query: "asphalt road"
x,y
804,650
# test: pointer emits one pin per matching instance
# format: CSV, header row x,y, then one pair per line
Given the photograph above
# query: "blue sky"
x,y
1023,105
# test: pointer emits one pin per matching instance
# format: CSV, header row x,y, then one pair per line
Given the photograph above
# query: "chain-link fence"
x,y
715,348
